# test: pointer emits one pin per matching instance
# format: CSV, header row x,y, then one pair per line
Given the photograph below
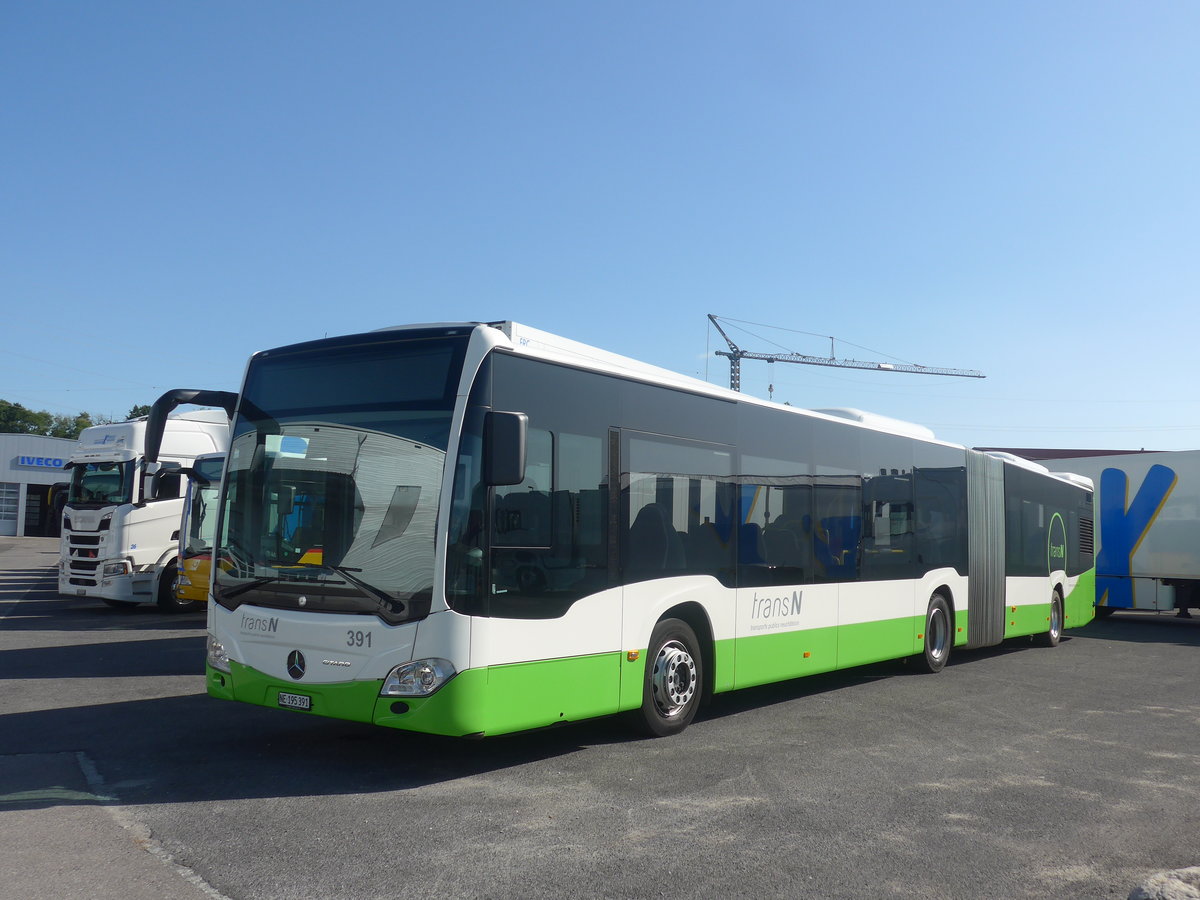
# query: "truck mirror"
x,y
164,483
504,448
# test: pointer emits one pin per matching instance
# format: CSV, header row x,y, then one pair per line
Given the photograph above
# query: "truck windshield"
x,y
101,484
334,477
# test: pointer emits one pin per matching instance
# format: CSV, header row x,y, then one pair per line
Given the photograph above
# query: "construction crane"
x,y
736,354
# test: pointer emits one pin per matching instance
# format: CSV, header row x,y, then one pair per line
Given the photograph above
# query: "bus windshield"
x,y
101,483
332,489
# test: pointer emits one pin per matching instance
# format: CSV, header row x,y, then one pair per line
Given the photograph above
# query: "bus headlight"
x,y
218,657
418,678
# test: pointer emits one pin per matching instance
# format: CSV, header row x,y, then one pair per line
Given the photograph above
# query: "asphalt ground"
x,y
1018,771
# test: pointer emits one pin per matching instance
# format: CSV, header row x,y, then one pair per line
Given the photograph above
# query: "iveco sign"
x,y
40,462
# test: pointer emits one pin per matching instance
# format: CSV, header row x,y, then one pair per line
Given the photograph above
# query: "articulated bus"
x,y
475,529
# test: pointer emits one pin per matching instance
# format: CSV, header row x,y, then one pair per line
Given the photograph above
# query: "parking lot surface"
x,y
1018,771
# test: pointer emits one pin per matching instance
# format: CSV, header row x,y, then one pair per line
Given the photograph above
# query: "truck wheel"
x,y
1053,634
168,601
938,636
674,681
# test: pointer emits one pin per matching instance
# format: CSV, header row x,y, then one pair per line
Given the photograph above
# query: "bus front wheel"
x,y
674,681
938,636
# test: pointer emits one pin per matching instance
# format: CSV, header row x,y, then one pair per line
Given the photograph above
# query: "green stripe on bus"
x,y
1080,605
1033,618
495,700
762,659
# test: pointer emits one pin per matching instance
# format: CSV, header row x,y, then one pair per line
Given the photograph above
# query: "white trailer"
x,y
1147,528
121,521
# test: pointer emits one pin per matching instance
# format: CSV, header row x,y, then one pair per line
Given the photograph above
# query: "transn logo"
x,y
1123,527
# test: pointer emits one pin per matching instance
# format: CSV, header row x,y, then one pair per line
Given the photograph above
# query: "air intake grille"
x,y
1086,537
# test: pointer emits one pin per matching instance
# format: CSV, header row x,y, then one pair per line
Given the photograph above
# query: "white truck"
x,y
1147,528
120,528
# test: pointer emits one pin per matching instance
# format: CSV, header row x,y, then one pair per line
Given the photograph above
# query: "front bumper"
x,y
456,710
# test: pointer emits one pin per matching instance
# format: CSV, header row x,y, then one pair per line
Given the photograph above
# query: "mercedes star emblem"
x,y
295,665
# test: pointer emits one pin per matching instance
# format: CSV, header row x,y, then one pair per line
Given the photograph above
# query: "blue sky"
x,y
1009,187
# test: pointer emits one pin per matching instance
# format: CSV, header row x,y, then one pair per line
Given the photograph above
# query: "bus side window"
x,y
521,512
549,535
681,516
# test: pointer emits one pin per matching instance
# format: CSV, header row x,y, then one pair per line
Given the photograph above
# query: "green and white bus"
x,y
475,529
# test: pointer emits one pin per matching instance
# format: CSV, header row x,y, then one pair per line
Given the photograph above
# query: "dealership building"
x,y
30,467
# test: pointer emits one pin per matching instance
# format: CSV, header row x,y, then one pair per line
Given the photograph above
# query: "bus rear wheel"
x,y
1052,635
938,636
674,681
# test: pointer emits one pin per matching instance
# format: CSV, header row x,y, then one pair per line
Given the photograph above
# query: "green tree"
x,y
16,419
70,426
136,412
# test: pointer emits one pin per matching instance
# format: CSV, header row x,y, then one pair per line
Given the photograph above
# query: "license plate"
x,y
295,701
80,592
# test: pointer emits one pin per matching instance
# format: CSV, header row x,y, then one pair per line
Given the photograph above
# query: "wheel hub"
x,y
939,633
673,678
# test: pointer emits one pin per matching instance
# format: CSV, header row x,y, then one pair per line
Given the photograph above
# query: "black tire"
x,y
939,636
168,600
1103,612
673,686
1053,634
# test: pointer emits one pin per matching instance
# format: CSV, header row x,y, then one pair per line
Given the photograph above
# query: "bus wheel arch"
x,y
937,633
948,596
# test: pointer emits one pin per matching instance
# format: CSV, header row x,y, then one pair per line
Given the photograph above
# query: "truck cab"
x,y
120,527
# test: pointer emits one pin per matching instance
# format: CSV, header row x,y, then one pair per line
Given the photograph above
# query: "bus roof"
x,y
551,346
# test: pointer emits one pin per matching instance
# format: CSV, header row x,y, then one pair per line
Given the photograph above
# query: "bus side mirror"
x,y
504,448
192,475
164,483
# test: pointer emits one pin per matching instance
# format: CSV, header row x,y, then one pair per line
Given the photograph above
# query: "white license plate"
x,y
295,701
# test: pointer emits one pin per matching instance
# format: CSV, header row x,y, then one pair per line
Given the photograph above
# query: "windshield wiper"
x,y
230,593
378,593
